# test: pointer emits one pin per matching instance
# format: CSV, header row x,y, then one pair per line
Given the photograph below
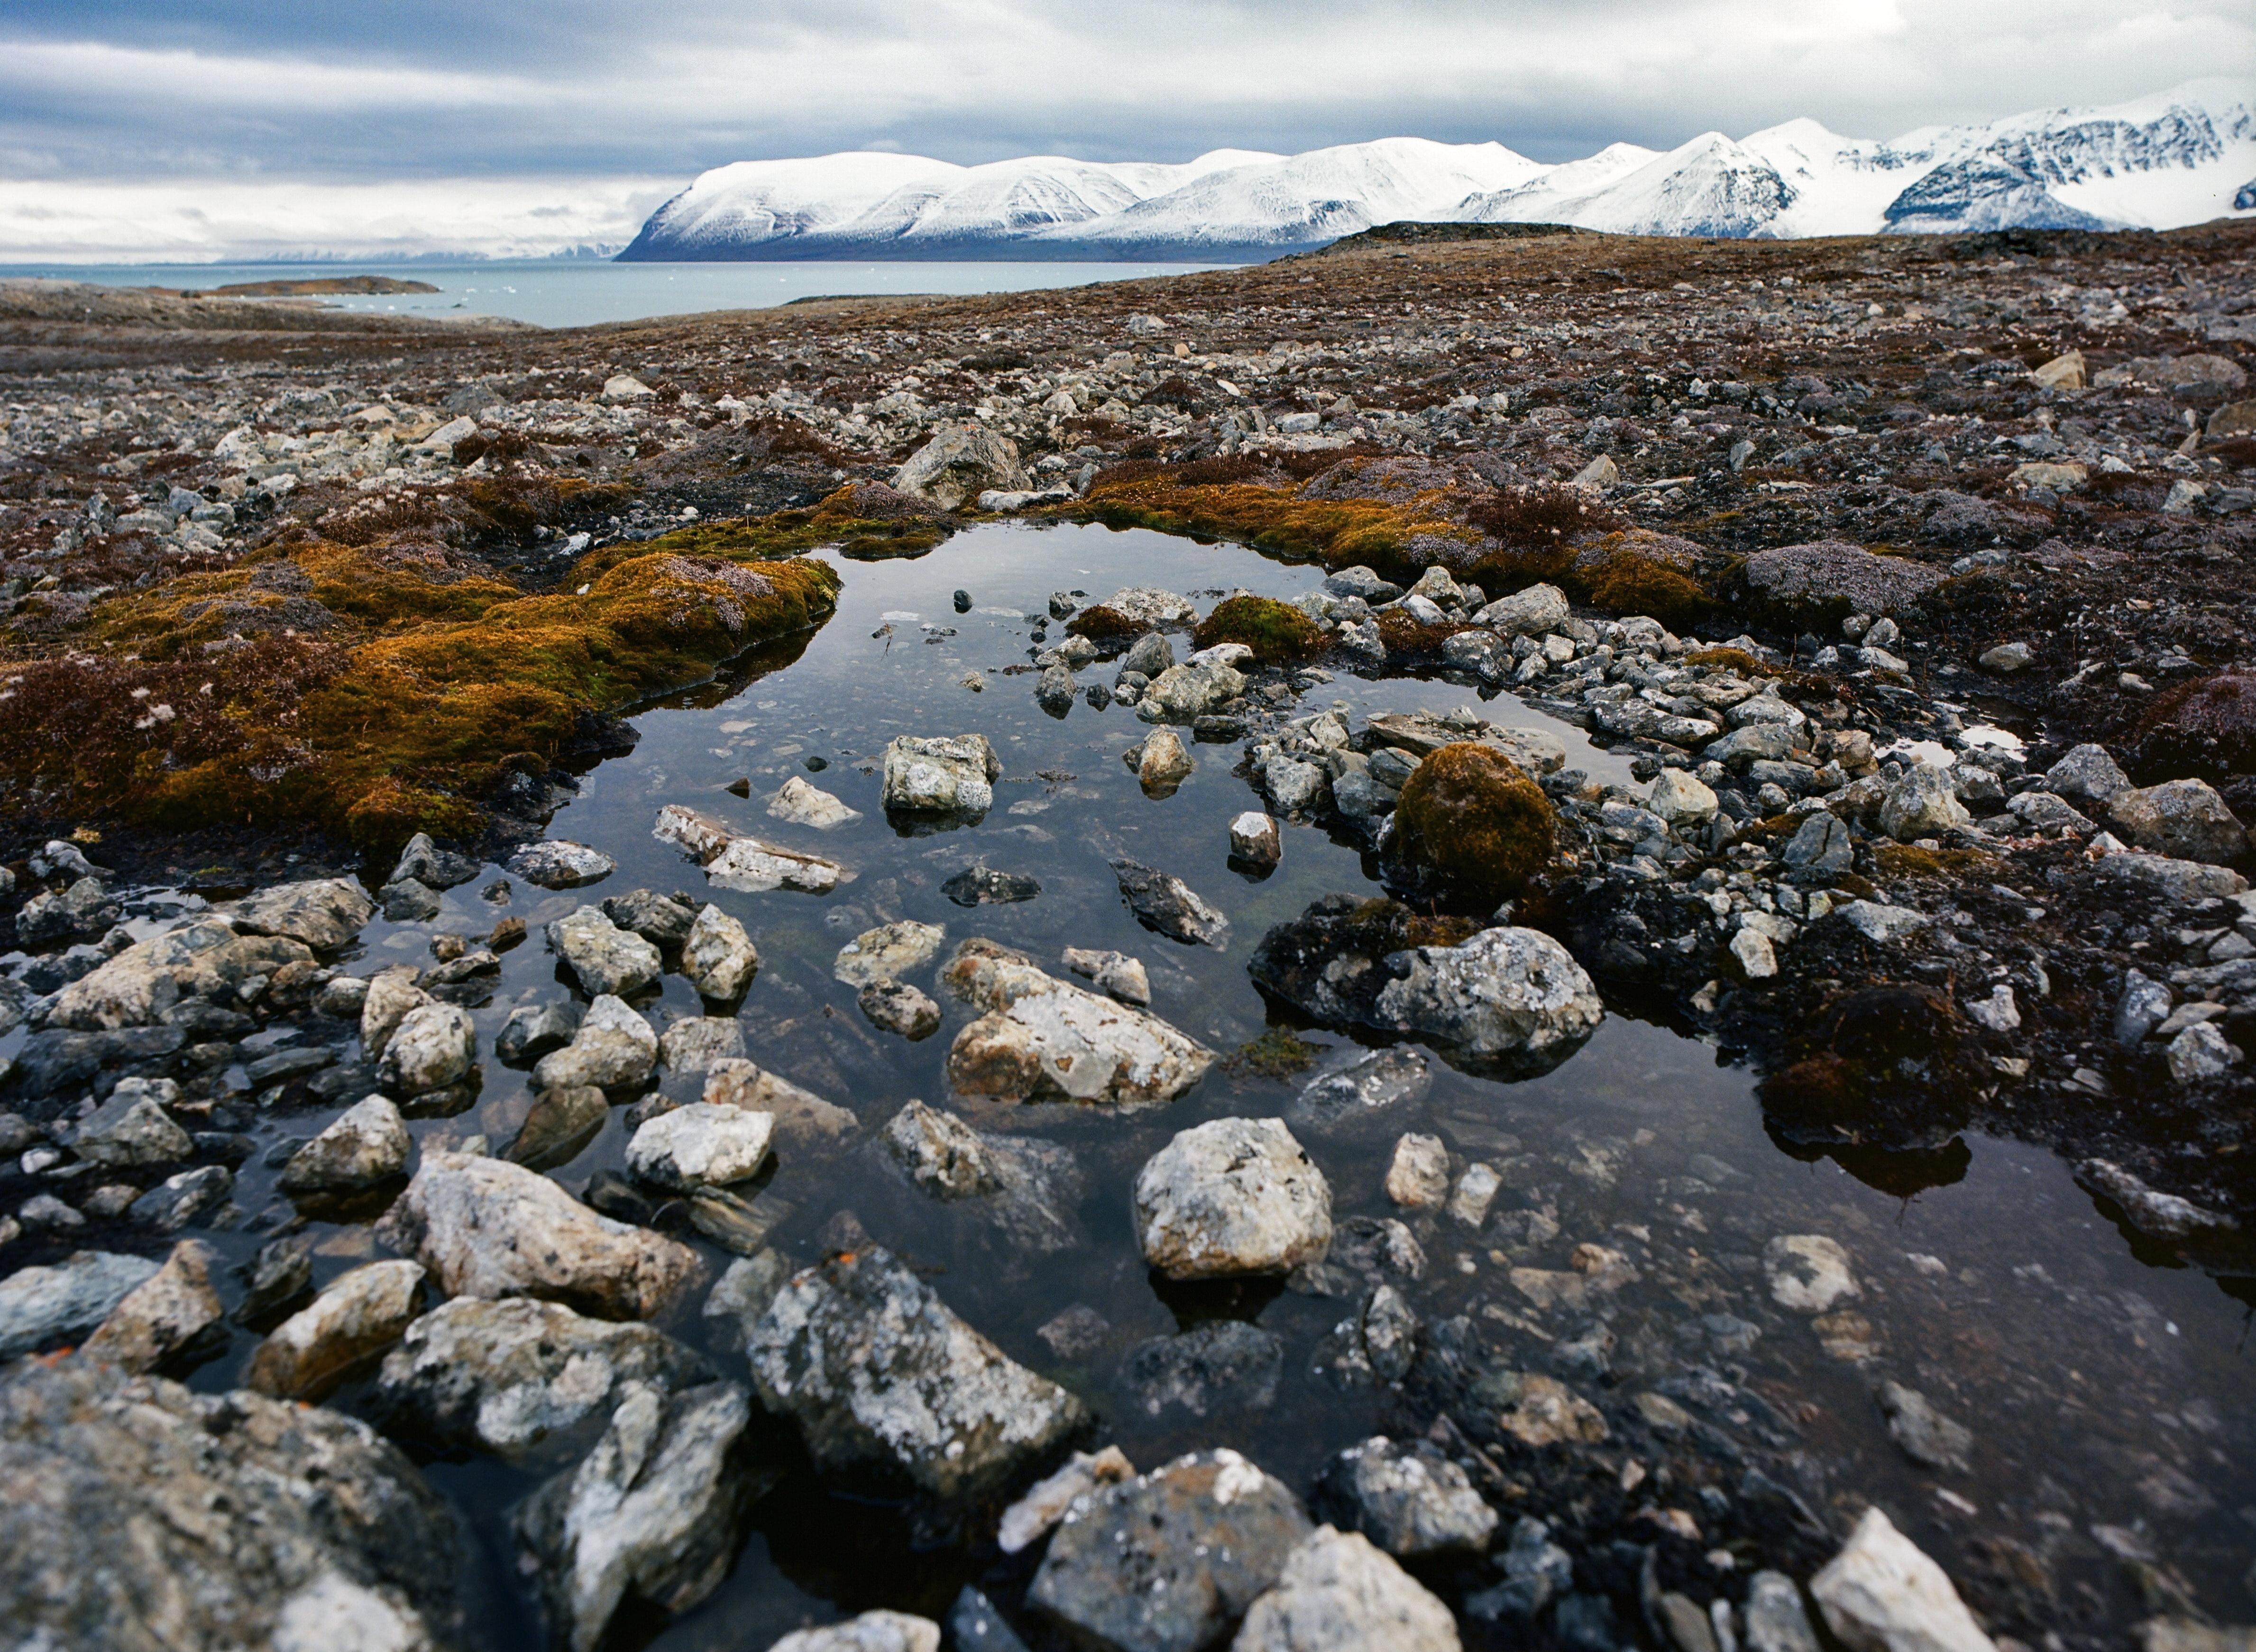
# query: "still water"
x,y
2111,1402
556,293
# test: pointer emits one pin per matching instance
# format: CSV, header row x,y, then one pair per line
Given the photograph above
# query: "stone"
x,y
1372,1083
1046,1500
132,1127
2087,773
2158,1214
1526,613
61,1302
879,1631
2062,373
613,1048
2048,812
2174,879
1809,1273
559,1125
2201,1052
323,913
941,776
1999,1012
365,1144
1026,1187
1476,1190
1055,691
390,995
2182,818
694,1043
1149,654
1294,787
1877,921
879,1377
1117,973
890,952
1150,607
601,955
802,1119
1230,1197
1774,1618
2006,658
1922,805
1254,841
1339,1593
432,866
1928,1438
1167,1561
1409,1499
1820,849
1162,761
1505,991
177,1200
552,863
1166,905
85,908
435,1045
1881,1594
1756,742
896,1007
357,1315
801,804
2144,1006
663,922
202,958
1831,574
1417,1175
1222,1368
1752,950
718,959
653,1511
1040,1036
961,462
624,387
1540,1410
700,1145
172,1315
1679,798
983,886
406,900
485,1227
1186,692
219,1520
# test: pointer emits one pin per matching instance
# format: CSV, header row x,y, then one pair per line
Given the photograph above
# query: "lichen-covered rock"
x,y
802,1118
895,1006
615,1047
890,952
879,1631
323,913
604,957
1526,613
435,1045
1372,1084
1026,1187
959,463
1233,1196
1043,1037
170,1315
941,774
486,1227
1222,1368
365,1144
1164,903
1471,824
219,1520
1831,577
40,1307
653,1511
1338,1593
1408,1499
132,1127
1922,805
718,958
1167,1561
202,958
1186,692
554,863
881,1378
359,1314
693,1043
2185,819
699,1145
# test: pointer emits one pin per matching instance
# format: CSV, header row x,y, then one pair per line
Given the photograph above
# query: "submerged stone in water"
x,y
556,864
982,886
1376,1081
890,952
941,776
1220,1368
1409,1499
1164,903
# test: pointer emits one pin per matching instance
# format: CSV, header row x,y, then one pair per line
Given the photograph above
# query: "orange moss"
x,y
1337,532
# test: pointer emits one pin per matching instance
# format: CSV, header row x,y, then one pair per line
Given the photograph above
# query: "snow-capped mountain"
x,y
2182,157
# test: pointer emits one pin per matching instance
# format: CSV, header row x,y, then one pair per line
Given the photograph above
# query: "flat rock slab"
x,y
1045,1038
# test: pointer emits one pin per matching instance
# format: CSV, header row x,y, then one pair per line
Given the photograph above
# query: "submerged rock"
x,y
435,1045
1166,905
896,1007
1218,1368
1408,1499
983,886
1373,1082
1233,1196
1115,974
801,1117
1026,1186
889,951
879,1376
1044,1037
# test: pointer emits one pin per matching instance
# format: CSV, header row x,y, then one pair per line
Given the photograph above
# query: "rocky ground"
x,y
1915,576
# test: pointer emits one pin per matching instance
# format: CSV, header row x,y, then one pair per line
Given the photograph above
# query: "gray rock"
x,y
694,1043
85,908
1877,921
1339,1593
1408,1499
434,1046
1418,1176
357,1315
1294,787
1222,1368
1821,848
1504,992
605,958
406,900
718,958
1186,692
2048,812
177,1200
1774,1614
365,1144
1254,841
614,1048
486,1227
961,462
1362,582
1881,1594
552,863
1165,904
391,993
1809,1273
1167,1561
1928,1438
1123,977
1150,607
221,1520
132,1127
530,1381
323,913
1375,1082
1150,655
1757,742
2172,878
985,886
896,1007
1679,798
974,1625
559,1125
2183,818
1526,613
2201,1052
1055,691
534,1029
941,776
1162,763
1026,1186
1922,805
2144,1006
1229,1196
428,864
654,1512
2087,773
890,952
878,1375
202,958
41,1307
657,918
700,1145
801,1118
1043,1037
2155,1214
1535,1569
885,1631
175,1312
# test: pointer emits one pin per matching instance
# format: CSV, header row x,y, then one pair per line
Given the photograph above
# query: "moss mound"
x,y
2206,727
1472,825
1627,583
1100,624
1277,632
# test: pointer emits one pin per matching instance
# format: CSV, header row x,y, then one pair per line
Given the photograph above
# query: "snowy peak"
x,y
2179,156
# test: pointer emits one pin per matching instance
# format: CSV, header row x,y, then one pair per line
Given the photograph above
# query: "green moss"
x,y
1277,632
1471,824
1627,583
1279,519
1276,1054
1100,624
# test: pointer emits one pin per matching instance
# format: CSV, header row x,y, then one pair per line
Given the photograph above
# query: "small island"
x,y
316,288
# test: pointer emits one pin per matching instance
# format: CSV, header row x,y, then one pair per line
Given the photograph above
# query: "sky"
x,y
184,127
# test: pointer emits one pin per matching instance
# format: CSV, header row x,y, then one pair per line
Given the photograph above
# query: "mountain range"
x,y
2182,156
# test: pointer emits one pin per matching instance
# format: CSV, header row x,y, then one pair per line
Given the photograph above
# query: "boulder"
x,y
521,1378
1831,577
1115,974
700,1145
961,462
201,958
391,993
941,776
40,1307
1162,763
173,1314
1679,798
1881,1594
614,1048
1526,613
653,1511
718,959
1254,841
486,1227
1338,1593
1025,1186
1922,805
2174,879
323,913
658,919
1820,849
359,1314
365,1144
1167,1561
2184,818
1410,1500
890,952
1040,1037
879,1631
132,1127
219,1520
880,1377
896,1007
435,1045
1229,1196
553,863
1184,693
177,1200
85,908
800,802
1166,905
1471,823
604,957
2087,774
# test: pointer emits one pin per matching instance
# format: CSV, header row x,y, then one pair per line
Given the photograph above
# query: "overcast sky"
x,y
385,89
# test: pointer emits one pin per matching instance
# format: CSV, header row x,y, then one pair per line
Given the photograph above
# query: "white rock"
x,y
1417,1175
554,863
1123,977
624,387
1757,958
365,1144
696,1043
1679,798
805,805
1877,922
2087,773
1046,1500
2200,1052
436,1045
947,775
1922,805
615,1047
359,1314
889,951
1531,612
1340,1592
751,868
1809,1273
1476,1190
605,958
700,1145
1505,991
719,958
1997,1012
1254,839
1881,1594
1045,1038
879,1631
1233,1196
390,995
